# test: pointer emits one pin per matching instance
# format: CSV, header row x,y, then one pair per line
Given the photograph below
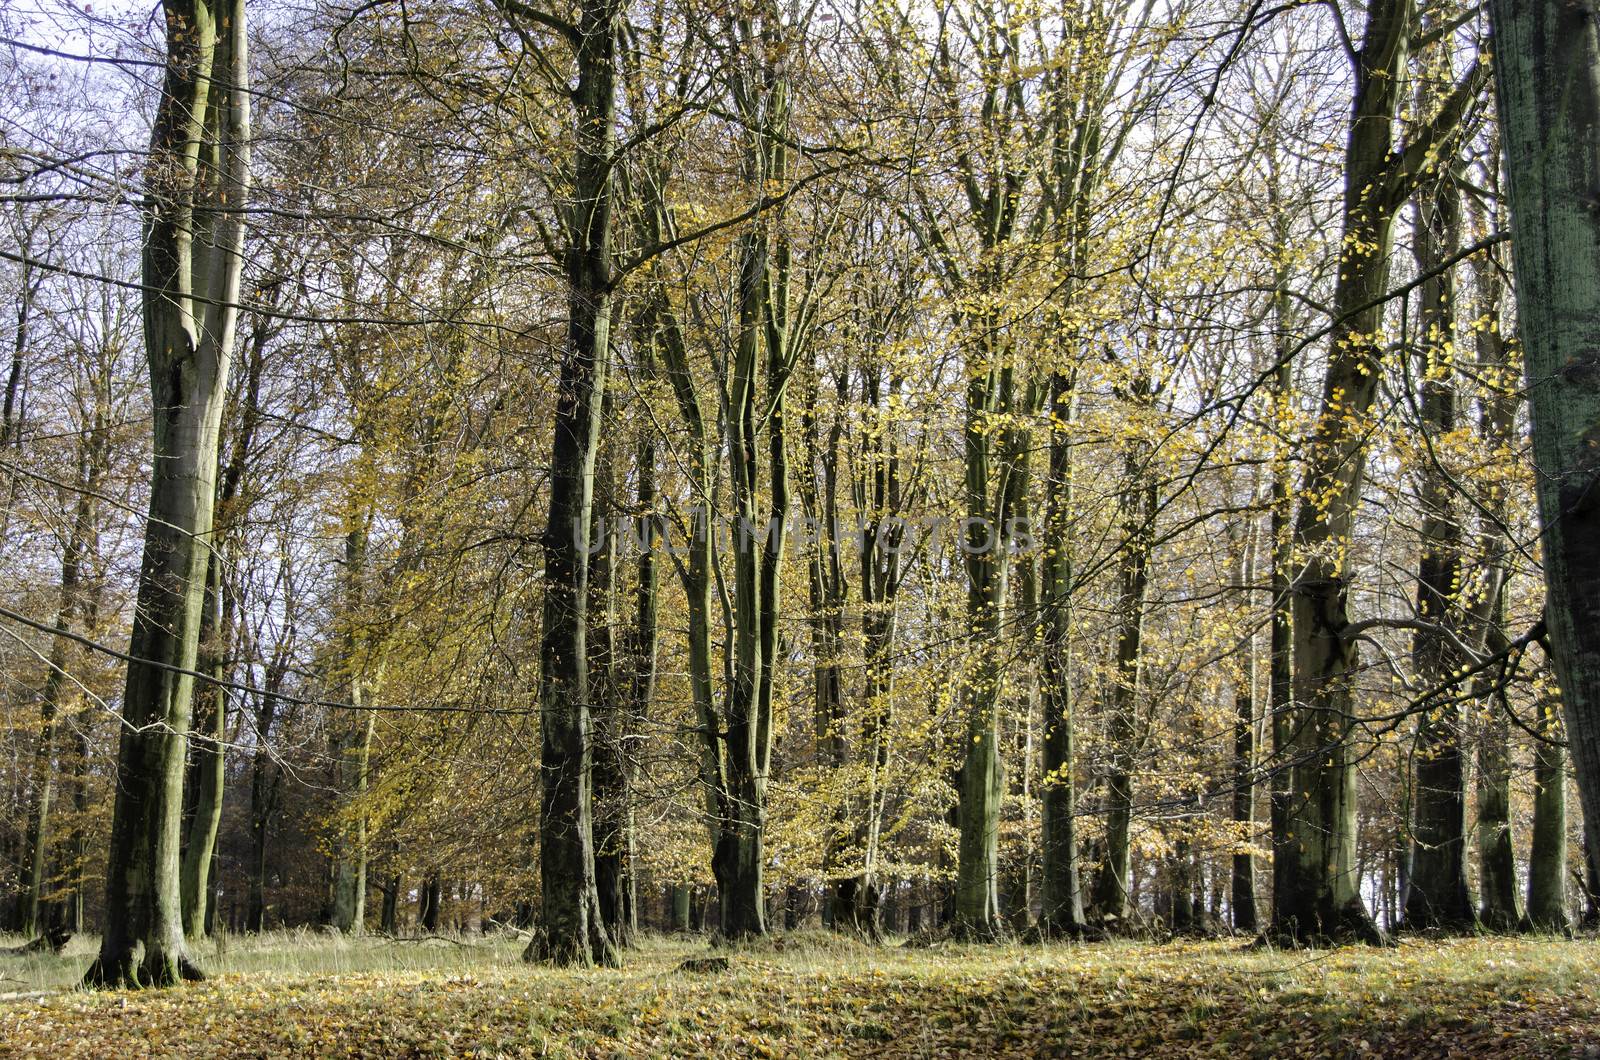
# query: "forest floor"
x,y
305,994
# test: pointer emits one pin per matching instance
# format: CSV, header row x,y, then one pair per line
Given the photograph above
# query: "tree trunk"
x,y
631,694
1319,894
1138,506
764,322
206,746
571,928
1547,858
352,742
192,258
1280,654
609,692
827,590
430,897
265,781
990,390
1501,905
880,580
1244,765
80,540
1438,896
681,896
1547,63
1061,893
389,918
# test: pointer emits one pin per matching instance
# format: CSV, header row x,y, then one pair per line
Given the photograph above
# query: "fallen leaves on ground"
x,y
1471,997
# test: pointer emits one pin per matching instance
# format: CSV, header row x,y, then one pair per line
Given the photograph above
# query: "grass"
x,y
306,994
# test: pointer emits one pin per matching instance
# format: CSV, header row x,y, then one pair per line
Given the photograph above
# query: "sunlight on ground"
x,y
309,994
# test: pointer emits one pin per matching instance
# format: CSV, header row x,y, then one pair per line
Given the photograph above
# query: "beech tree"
x,y
1547,69
197,178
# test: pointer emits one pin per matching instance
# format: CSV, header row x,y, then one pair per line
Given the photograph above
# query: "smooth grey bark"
x,y
206,739
736,739
697,568
194,229
767,331
621,668
204,787
630,676
1547,69
351,740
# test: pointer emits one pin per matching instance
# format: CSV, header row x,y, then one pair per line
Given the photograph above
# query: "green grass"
x,y
306,994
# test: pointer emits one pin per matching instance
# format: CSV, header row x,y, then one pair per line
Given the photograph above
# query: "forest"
x,y
800,527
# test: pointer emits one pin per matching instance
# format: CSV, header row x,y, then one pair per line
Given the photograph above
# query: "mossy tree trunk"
x,y
1547,66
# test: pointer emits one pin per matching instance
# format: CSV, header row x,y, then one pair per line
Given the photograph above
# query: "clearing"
x,y
306,994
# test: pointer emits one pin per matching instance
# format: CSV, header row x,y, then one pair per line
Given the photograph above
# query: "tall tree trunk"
x,y
1547,857
880,496
1500,904
827,592
265,782
632,687
1320,890
199,883
609,692
1280,646
1547,64
1061,892
1438,896
351,749
192,257
764,323
1244,759
1500,901
206,741
695,573
36,841
1137,505
572,929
